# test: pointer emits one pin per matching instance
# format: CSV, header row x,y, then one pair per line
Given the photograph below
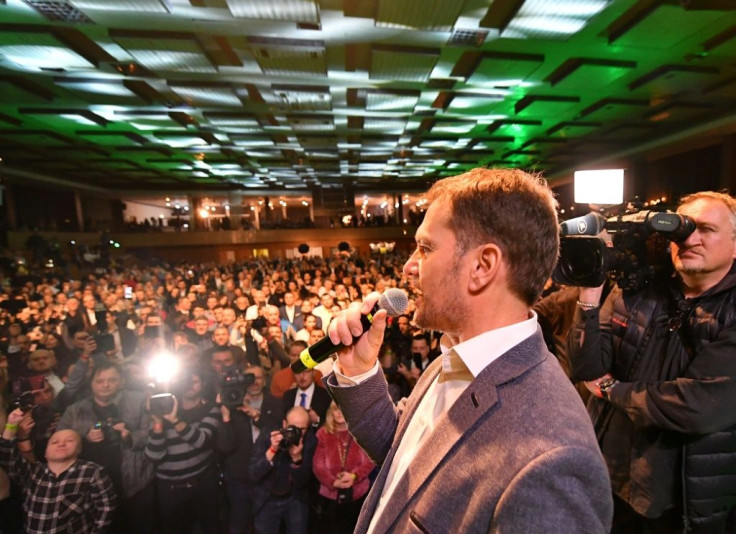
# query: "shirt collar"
x,y
478,352
308,391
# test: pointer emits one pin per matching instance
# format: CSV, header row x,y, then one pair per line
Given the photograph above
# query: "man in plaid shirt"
x,y
64,495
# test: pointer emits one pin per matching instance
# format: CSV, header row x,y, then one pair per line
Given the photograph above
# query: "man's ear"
x,y
487,262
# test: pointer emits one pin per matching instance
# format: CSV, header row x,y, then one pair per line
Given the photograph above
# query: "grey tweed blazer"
x,y
515,453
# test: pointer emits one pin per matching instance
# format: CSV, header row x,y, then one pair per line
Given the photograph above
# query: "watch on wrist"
x,y
605,386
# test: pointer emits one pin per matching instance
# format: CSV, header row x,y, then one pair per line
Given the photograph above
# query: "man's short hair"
x,y
105,366
727,199
512,209
298,343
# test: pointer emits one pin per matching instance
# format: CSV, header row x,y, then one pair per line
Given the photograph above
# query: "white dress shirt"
x,y
308,400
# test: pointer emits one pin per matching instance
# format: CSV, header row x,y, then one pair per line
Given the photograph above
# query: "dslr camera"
x,y
21,390
233,386
640,249
291,436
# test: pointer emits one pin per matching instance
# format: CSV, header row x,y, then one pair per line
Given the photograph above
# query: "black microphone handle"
x,y
324,348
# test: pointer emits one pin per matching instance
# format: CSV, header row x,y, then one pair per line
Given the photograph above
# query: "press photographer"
x,y
659,363
241,426
281,472
114,426
181,445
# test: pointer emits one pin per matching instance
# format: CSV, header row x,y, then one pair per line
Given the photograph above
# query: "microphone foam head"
x,y
394,301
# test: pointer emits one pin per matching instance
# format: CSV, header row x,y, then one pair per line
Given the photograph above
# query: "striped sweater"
x,y
181,455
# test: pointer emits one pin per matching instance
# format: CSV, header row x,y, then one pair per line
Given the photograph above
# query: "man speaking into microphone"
x,y
493,437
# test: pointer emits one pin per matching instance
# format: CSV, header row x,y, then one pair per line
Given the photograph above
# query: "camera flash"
x,y
163,368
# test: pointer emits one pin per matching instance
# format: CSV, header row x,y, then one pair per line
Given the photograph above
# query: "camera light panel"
x,y
600,186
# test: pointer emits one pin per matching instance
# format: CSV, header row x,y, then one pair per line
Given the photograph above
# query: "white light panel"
x,y
603,186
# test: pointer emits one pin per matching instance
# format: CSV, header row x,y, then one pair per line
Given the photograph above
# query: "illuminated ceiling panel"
x,y
207,96
139,6
385,101
441,16
31,51
167,55
294,10
503,71
96,87
666,27
289,57
388,63
552,19
395,126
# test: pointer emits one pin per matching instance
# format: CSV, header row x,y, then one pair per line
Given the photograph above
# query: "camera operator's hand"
x,y
403,371
25,425
360,356
172,417
295,451
95,435
276,437
224,410
155,419
124,432
593,387
89,347
591,295
248,410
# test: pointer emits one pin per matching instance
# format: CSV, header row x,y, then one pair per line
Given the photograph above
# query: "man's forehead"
x,y
705,209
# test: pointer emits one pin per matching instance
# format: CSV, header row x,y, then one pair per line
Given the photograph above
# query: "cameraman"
x,y
281,471
114,425
181,444
241,426
660,366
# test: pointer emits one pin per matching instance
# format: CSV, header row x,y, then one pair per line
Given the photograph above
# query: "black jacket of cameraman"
x,y
235,438
669,430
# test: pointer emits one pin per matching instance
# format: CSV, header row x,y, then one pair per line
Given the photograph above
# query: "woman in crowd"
x,y
342,469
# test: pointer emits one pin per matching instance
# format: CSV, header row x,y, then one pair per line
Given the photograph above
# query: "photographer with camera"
x,y
281,472
246,408
114,426
659,363
181,445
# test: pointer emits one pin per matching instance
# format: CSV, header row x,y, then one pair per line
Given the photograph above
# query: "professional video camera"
x,y
291,436
640,248
234,385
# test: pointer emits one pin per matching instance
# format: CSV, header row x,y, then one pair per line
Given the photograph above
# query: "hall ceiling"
x,y
182,95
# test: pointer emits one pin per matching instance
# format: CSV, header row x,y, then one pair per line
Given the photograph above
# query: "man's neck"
x,y
694,285
188,404
103,403
58,468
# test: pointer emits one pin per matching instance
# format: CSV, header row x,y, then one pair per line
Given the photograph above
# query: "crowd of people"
x,y
77,355
161,399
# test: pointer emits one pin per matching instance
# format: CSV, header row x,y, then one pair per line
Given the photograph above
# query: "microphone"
x,y
590,224
393,300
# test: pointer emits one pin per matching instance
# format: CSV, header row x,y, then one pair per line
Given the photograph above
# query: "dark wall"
x,y
42,208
